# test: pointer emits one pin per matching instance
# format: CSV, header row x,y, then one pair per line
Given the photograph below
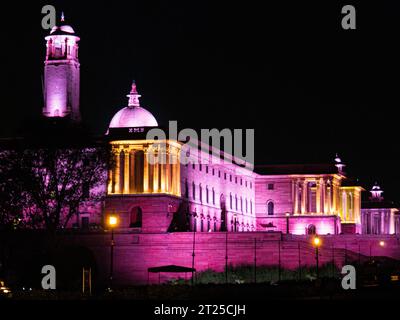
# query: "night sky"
x,y
288,70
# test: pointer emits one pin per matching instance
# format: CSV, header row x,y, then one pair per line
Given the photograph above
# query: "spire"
x,y
376,193
339,164
133,96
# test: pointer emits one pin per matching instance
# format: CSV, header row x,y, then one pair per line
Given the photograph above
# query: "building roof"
x,y
131,117
285,169
384,204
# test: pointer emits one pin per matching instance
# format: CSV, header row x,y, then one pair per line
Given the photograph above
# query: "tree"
x,y
45,187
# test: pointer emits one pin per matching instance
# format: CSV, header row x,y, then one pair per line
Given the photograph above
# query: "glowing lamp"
x,y
317,242
287,214
112,221
382,243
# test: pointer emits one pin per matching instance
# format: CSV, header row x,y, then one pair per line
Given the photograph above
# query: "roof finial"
x,y
62,16
133,96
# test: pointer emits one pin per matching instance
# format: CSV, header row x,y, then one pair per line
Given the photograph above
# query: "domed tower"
x,y
62,73
144,185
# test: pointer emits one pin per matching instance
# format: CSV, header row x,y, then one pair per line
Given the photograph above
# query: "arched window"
x,y
270,208
311,229
213,196
136,218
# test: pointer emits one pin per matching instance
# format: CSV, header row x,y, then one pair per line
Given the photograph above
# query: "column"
x,y
117,172
304,197
318,196
126,171
295,190
132,184
323,196
110,182
163,165
167,172
146,172
155,173
330,200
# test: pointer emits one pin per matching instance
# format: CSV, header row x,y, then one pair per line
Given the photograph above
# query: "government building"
x,y
205,195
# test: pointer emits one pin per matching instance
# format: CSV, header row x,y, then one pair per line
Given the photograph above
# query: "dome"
x,y
133,117
64,29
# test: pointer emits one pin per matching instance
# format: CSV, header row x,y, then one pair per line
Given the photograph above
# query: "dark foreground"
x,y
316,290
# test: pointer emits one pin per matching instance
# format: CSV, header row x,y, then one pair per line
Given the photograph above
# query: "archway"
x,y
311,229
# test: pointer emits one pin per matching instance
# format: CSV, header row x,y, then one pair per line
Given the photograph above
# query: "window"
x,y
213,196
194,224
200,166
206,169
136,218
270,208
194,191
213,172
201,224
225,175
207,198
236,203
270,186
85,223
246,206
208,224
251,206
201,193
241,182
194,166
231,201
241,204
230,178
236,180
219,174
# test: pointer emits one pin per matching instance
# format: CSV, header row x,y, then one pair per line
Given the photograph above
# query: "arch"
x,y
135,217
311,229
270,208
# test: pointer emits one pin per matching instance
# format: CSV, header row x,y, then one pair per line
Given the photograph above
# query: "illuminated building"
x,y
203,195
378,215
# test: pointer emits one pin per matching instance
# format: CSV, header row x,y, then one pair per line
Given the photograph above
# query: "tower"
x,y
61,74
376,193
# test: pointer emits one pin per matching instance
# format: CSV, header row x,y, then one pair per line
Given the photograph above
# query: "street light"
x,y
317,243
287,222
112,222
382,243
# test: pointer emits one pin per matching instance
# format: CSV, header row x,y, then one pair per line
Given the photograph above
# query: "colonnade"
x,y
144,169
315,195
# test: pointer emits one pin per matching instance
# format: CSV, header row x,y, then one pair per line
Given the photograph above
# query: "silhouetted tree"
x,y
45,187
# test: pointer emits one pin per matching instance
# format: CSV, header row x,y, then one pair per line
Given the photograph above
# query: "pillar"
x,y
132,184
295,190
146,172
155,175
117,172
318,196
126,171
323,196
304,197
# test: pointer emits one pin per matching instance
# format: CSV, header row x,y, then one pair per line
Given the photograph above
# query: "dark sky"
x,y
288,70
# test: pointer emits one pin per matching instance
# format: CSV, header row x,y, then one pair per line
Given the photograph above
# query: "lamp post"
x,y
287,222
317,243
112,222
